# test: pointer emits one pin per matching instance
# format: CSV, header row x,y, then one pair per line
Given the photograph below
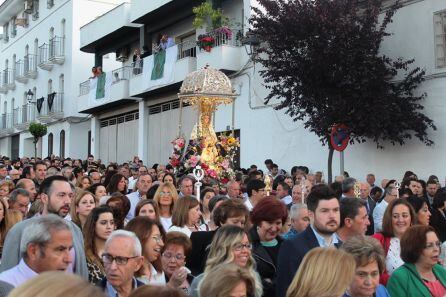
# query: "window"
x,y
13,27
50,86
35,9
62,144
50,144
6,32
49,3
440,39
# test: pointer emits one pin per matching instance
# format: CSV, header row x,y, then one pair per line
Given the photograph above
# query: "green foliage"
x,y
322,61
207,17
37,130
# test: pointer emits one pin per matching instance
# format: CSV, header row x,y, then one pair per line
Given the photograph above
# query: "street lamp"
x,y
29,96
250,42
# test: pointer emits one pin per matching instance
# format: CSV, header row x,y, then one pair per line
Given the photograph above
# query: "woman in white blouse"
x,y
186,216
398,217
165,197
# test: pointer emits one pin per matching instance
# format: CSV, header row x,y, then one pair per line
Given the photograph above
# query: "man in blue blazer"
x,y
323,210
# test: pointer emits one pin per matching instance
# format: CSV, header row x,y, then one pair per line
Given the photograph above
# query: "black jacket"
x,y
264,263
103,284
196,261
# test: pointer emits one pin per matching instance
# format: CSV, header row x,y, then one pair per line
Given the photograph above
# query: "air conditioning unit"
x,y
28,6
22,22
122,54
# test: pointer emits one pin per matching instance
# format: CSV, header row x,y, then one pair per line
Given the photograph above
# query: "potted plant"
x,y
206,42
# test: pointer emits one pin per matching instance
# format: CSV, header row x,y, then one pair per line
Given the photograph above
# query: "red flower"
x,y
225,180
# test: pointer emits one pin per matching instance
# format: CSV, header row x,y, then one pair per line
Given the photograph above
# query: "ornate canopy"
x,y
207,86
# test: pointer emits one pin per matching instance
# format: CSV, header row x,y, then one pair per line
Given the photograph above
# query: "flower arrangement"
x,y
206,42
224,31
222,166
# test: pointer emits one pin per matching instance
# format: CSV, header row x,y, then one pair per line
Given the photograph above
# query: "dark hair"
x,y
172,176
151,192
92,189
284,185
180,239
439,199
387,227
416,202
349,208
47,183
254,184
26,171
119,213
432,182
336,187
269,209
253,174
413,242
374,190
39,163
214,200
269,161
229,209
108,176
159,291
113,185
204,191
142,227
319,192
143,202
348,184
405,191
89,233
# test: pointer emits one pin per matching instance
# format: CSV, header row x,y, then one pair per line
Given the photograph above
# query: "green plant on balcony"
x,y
37,130
207,17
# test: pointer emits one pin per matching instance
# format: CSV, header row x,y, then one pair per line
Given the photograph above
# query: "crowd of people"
x,y
81,228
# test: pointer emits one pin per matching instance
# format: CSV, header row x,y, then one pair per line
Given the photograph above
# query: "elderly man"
x,y
296,195
14,174
354,218
369,204
234,190
282,193
95,176
348,190
29,186
45,246
56,195
122,257
19,200
142,185
299,220
186,186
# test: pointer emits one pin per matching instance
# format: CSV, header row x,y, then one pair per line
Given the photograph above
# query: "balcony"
x,y
4,82
226,54
20,72
6,124
44,62
180,61
51,108
8,79
25,115
30,66
56,53
116,91
110,29
154,11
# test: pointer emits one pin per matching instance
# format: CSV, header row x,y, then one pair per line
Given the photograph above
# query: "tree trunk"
x,y
330,163
35,148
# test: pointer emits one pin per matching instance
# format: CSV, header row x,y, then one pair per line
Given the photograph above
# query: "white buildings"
x,y
140,117
41,66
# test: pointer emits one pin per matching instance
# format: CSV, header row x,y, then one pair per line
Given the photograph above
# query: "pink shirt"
x,y
436,288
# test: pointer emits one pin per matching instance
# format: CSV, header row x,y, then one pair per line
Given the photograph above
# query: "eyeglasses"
x,y
158,239
164,194
177,257
107,258
240,246
432,245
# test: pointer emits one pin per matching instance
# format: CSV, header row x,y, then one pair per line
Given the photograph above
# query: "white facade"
x,y
39,52
138,120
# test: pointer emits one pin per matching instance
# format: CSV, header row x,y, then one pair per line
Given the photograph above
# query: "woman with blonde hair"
x,y
84,182
229,280
186,216
165,197
230,245
56,284
324,272
6,222
81,206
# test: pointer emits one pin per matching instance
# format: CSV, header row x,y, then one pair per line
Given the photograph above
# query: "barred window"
x,y
440,39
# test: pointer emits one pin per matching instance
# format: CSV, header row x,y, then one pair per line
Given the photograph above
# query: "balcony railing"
x,y
7,80
30,66
20,72
122,73
52,107
84,88
226,37
26,114
6,122
57,50
187,49
44,62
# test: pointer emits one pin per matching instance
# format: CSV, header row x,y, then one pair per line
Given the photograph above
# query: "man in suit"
x,y
56,194
122,258
323,210
369,205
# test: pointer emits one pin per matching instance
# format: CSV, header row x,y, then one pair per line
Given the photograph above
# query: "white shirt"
x,y
156,278
18,274
134,198
393,259
248,204
166,222
287,199
378,214
185,229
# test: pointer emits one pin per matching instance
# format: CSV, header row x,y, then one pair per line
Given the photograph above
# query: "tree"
x,y
37,130
321,60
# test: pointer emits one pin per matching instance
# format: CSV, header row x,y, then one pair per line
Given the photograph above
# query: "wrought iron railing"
x,y
19,69
122,73
52,103
56,47
30,63
225,36
7,77
6,121
187,49
26,113
84,88
43,53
